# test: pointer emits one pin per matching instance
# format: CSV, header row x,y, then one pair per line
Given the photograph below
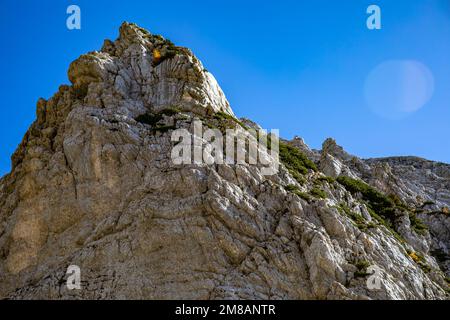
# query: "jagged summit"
x,y
135,74
149,69
93,185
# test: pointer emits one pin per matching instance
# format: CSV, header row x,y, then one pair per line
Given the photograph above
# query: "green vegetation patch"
x,y
376,200
295,190
362,266
298,177
295,161
330,180
166,50
318,193
173,50
358,219
386,224
223,116
383,208
418,225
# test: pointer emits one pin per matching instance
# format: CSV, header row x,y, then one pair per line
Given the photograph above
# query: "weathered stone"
x,y
92,186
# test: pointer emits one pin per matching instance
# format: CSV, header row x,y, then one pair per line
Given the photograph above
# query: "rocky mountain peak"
x,y
332,148
93,184
146,71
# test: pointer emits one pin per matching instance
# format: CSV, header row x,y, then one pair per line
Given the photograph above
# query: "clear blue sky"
x,y
300,66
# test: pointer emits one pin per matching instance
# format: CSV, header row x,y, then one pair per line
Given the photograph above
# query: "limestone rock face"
x,y
93,185
423,184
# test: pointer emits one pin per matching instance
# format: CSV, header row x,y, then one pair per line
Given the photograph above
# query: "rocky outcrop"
x,y
300,144
421,180
93,185
422,184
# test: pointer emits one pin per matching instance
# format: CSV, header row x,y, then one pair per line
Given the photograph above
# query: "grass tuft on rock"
x,y
377,201
318,193
227,117
418,225
330,180
358,219
383,208
295,162
362,266
295,190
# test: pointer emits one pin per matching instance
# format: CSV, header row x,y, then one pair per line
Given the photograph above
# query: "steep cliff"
x,y
93,184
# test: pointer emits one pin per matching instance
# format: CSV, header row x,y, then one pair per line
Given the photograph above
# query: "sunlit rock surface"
x,y
93,185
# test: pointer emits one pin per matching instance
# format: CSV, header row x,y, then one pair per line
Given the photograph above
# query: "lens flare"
x,y
397,88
